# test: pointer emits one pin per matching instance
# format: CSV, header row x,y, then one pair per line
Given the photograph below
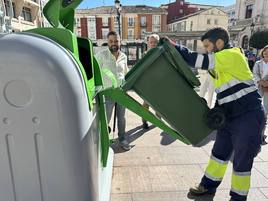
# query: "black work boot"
x,y
201,190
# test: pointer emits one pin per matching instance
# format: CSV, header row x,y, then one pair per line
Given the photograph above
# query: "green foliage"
x,y
259,39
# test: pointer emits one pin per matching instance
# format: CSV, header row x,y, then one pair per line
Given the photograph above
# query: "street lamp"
x,y
118,7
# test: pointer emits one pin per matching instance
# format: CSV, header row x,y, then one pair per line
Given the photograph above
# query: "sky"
x,y
156,3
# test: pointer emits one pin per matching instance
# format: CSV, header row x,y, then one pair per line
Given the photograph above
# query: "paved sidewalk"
x,y
159,168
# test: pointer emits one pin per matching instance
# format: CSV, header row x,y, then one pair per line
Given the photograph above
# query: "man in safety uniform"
x,y
238,97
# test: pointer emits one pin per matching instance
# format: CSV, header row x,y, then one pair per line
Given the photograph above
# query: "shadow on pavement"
x,y
137,132
166,139
131,136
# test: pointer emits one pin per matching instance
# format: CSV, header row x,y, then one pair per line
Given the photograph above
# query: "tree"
x,y
259,39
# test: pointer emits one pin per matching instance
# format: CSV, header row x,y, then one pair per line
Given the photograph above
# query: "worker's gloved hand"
x,y
165,38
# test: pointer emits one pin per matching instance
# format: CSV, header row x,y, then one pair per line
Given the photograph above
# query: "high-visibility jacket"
x,y
234,85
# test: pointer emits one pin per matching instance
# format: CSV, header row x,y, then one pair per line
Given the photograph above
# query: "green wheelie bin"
x,y
165,81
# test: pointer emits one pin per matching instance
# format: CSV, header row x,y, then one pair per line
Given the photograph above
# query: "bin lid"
x,y
171,54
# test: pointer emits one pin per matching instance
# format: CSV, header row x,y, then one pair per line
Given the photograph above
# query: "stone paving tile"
x,y
221,195
262,167
154,178
139,156
129,180
174,177
121,197
254,195
208,148
178,155
160,196
257,179
265,192
263,155
160,156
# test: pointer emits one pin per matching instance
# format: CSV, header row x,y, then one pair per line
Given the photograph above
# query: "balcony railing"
x,y
244,22
131,24
131,37
105,24
143,24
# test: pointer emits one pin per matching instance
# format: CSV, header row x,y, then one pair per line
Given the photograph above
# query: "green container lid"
x,y
174,57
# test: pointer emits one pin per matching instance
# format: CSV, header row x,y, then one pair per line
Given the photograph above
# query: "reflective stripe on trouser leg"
x,y
216,169
241,183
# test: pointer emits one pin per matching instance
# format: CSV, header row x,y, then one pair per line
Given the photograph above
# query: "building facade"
x,y
135,21
25,14
199,21
250,16
230,10
179,8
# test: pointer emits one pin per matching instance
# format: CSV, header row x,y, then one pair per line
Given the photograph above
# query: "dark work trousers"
x,y
241,135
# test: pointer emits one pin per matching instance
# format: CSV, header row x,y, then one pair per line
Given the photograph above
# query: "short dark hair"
x,y
217,33
112,33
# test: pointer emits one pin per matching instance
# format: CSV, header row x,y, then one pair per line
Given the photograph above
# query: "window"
x,y
245,42
92,35
174,27
183,26
143,21
216,21
143,31
105,21
156,29
77,21
105,31
91,19
7,8
78,32
130,33
115,21
249,10
13,8
26,14
191,26
91,22
91,27
156,19
208,21
131,22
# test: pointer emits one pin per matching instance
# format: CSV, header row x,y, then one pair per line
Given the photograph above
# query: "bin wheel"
x,y
215,118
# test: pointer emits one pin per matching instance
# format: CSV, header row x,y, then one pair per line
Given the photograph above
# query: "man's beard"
x,y
114,48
